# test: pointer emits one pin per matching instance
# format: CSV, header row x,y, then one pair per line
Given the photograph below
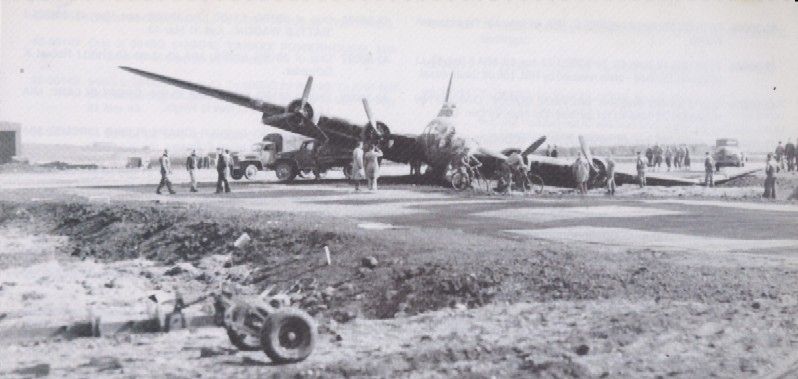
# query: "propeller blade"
x,y
306,92
586,152
534,146
367,108
449,88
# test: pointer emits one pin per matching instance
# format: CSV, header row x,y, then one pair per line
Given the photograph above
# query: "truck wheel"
x,y
251,171
285,171
288,335
243,342
236,173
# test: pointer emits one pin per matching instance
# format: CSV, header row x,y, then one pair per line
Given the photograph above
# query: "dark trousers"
x,y
165,182
221,183
770,188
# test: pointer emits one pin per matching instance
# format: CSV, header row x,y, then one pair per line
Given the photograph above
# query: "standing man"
x,y
709,170
548,150
650,156
554,152
640,164
518,170
582,173
357,164
371,159
222,165
657,157
687,157
668,157
789,154
770,178
166,170
415,166
610,175
192,164
780,156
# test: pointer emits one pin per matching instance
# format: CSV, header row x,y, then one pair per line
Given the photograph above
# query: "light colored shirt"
x,y
165,167
357,159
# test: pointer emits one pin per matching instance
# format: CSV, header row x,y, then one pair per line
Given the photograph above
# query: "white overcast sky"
x,y
615,72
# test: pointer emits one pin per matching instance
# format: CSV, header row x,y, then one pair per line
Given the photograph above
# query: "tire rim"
x,y
282,172
294,334
251,171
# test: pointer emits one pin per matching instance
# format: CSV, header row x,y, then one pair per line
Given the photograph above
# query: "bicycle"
x,y
472,179
535,183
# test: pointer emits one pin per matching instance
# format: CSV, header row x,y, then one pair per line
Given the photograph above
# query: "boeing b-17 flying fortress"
x,y
612,219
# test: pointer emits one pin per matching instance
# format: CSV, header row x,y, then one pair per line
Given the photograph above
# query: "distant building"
x,y
10,139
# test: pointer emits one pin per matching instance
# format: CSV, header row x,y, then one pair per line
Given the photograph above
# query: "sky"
x,y
615,72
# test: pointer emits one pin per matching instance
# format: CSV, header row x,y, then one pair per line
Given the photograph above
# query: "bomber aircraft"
x,y
438,145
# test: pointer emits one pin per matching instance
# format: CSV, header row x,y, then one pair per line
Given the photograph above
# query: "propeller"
x,y
449,88
586,152
306,93
372,124
534,146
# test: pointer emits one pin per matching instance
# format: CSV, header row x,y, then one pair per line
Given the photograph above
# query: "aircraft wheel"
x,y
348,171
535,183
459,181
285,172
251,171
236,174
288,335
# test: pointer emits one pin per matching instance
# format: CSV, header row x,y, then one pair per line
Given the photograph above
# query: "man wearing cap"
x,y
166,169
709,170
640,164
192,163
770,177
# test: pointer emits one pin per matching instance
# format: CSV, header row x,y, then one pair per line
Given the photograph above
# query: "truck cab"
x,y
727,153
260,157
313,157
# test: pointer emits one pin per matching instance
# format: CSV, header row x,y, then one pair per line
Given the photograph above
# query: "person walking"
x,y
789,155
709,170
192,164
610,175
640,165
222,168
668,157
770,177
582,173
166,170
371,160
357,164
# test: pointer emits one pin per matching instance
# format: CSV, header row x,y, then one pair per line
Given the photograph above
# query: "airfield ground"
x,y
660,282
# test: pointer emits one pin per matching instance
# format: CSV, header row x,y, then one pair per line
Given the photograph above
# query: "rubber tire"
x,y
348,172
298,321
236,174
285,171
459,182
250,171
239,342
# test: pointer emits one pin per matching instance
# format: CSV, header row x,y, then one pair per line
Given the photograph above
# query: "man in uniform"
x,y
610,175
581,173
192,163
657,157
789,154
357,164
709,170
222,167
554,152
518,170
780,156
640,164
166,169
770,178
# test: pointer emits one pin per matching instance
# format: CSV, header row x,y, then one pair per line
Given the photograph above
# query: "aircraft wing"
x,y
230,97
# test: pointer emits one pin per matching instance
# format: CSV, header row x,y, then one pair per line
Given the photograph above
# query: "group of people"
x,y
677,157
224,163
642,163
786,156
366,165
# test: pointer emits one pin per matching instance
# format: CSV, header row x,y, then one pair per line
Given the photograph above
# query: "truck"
x,y
310,157
727,153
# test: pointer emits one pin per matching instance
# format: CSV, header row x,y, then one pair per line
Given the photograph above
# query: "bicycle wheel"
x,y
459,181
535,183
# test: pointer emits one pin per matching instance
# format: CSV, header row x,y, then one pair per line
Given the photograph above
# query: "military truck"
x,y
727,153
309,157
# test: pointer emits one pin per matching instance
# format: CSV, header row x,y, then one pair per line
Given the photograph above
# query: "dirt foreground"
x,y
437,303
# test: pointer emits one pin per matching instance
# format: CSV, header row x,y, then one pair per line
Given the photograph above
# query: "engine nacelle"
x,y
294,105
380,136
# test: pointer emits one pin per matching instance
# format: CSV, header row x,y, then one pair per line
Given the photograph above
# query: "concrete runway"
x,y
628,221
